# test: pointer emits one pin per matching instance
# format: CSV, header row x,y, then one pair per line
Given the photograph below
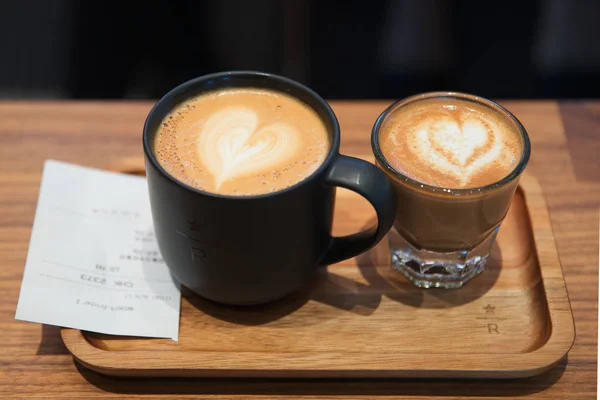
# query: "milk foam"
x,y
454,146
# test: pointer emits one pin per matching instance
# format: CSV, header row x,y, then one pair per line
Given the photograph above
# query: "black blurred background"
x,y
342,49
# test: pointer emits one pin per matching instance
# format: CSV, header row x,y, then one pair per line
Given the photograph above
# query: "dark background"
x,y
342,49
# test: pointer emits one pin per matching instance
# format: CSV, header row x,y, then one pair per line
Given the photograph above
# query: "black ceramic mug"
x,y
247,250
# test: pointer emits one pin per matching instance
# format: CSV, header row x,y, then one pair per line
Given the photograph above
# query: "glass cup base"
x,y
430,269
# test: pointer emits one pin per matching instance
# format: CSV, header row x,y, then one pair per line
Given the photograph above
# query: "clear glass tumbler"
x,y
442,236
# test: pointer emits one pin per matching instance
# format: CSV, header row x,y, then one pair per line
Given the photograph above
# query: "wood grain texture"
x,y
360,319
34,363
583,120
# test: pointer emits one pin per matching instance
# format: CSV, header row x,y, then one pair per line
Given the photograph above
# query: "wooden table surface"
x,y
34,362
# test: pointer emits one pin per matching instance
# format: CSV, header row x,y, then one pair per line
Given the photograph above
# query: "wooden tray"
x,y
361,319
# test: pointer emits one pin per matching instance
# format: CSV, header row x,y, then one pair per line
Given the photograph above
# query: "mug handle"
x,y
370,182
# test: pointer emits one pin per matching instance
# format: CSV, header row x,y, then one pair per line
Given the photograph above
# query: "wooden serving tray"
x,y
361,319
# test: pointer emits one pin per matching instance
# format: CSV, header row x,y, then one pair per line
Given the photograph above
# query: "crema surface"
x,y
242,141
450,143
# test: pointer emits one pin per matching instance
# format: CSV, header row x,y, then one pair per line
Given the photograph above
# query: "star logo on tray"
x,y
490,309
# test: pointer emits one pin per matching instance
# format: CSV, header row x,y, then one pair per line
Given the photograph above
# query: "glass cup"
x,y
442,236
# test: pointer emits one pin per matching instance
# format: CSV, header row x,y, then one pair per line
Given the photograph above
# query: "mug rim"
x,y
188,87
512,175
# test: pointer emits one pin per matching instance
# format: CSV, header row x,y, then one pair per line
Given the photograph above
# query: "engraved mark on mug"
x,y
195,250
194,226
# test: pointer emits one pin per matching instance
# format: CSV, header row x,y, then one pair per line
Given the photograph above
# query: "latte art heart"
x,y
242,141
455,142
457,149
231,144
454,145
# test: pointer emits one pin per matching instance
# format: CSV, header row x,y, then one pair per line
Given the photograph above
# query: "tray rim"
x,y
376,365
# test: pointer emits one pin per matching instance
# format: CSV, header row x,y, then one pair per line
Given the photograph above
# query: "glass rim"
x,y
514,174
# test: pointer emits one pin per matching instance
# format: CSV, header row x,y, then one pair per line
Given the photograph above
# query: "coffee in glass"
x,y
454,160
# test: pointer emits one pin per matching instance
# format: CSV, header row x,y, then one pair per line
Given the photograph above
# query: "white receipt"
x,y
93,263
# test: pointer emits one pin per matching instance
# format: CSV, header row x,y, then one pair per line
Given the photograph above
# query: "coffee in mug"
x,y
242,141
242,169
